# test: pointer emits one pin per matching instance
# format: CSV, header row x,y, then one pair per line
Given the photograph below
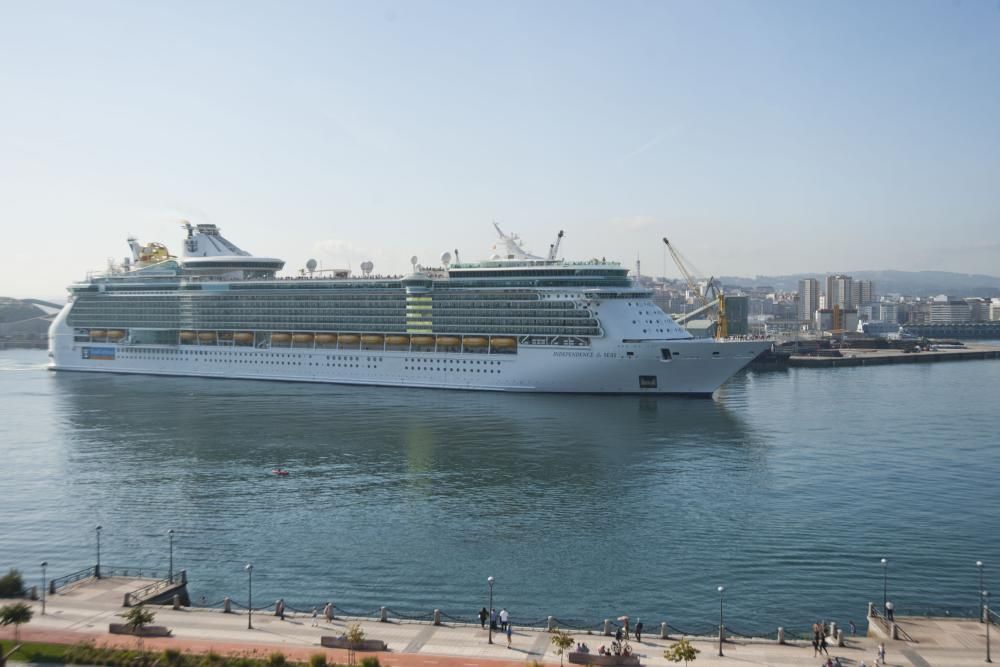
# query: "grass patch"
x,y
35,652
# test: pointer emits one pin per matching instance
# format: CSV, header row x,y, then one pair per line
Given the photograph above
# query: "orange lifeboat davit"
x,y
372,339
188,336
475,341
449,341
116,334
206,336
226,335
349,339
503,342
303,338
397,340
98,333
422,340
280,337
243,337
326,339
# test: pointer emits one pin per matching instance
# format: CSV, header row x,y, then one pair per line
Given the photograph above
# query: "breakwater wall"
x,y
882,357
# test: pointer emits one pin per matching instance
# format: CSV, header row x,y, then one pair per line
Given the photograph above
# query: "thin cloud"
x,y
669,133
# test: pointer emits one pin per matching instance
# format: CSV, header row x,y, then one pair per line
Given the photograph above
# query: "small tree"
x,y
136,619
562,640
354,635
681,651
11,584
16,613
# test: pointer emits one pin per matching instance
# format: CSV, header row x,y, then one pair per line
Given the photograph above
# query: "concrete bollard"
x,y
227,605
437,617
550,623
607,628
833,628
840,637
177,601
781,635
663,631
893,631
383,614
871,609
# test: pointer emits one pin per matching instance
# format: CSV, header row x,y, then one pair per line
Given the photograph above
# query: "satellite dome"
x,y
446,258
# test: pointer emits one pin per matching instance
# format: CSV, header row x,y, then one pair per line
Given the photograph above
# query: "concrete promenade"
x,y
866,357
84,611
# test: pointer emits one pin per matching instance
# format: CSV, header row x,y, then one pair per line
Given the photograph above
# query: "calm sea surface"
x,y
787,488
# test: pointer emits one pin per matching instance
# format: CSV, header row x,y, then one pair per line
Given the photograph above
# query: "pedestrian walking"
x,y
315,617
618,634
823,644
638,629
881,652
504,617
815,646
328,612
483,615
510,631
493,619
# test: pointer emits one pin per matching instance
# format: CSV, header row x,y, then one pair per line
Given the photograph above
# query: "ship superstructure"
x,y
513,322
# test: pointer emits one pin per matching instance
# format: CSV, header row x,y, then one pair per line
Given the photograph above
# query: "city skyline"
x,y
762,139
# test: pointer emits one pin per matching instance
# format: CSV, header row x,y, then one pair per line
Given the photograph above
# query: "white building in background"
x,y
888,311
949,309
994,310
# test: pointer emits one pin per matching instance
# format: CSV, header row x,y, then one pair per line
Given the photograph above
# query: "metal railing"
x,y
59,582
140,595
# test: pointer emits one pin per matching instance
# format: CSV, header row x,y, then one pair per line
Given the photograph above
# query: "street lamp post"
x,y
45,564
884,585
170,571
249,569
721,624
490,580
986,610
97,569
979,566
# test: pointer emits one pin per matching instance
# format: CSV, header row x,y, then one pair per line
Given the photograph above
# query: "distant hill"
x,y
910,283
15,310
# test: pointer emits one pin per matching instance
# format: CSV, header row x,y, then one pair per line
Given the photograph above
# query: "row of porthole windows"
x,y
451,361
450,369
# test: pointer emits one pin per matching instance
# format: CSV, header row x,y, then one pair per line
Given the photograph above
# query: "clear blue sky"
x,y
762,137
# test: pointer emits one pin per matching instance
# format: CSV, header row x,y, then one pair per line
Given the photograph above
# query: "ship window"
x,y
665,353
647,382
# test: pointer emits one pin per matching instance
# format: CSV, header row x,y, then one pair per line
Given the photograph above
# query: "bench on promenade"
x,y
343,642
581,658
148,631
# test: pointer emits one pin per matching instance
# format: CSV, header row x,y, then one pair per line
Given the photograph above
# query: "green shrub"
x,y
317,660
11,584
277,659
370,661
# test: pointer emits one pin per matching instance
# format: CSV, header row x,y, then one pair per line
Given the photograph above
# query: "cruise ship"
x,y
513,322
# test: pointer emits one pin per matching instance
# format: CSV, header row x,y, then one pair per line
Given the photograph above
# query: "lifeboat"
x,y
475,341
397,340
326,339
303,338
349,339
206,336
422,340
449,341
188,336
98,333
243,337
372,339
225,335
280,337
115,334
503,342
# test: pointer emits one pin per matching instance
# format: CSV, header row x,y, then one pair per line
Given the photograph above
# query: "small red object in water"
x,y
280,472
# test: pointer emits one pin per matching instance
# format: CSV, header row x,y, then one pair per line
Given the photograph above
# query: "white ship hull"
x,y
694,366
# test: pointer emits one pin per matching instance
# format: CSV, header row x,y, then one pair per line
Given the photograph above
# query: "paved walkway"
x,y
83,613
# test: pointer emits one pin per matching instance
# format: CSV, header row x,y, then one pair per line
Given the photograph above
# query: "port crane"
x,y
719,302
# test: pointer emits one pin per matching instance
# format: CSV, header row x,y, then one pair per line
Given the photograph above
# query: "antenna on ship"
x,y
457,260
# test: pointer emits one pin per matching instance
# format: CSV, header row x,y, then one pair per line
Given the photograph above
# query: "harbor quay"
x,y
86,610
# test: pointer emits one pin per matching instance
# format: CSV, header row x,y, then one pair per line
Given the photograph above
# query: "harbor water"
x,y
786,488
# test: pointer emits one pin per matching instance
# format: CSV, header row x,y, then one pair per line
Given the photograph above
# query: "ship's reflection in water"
x,y
403,497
